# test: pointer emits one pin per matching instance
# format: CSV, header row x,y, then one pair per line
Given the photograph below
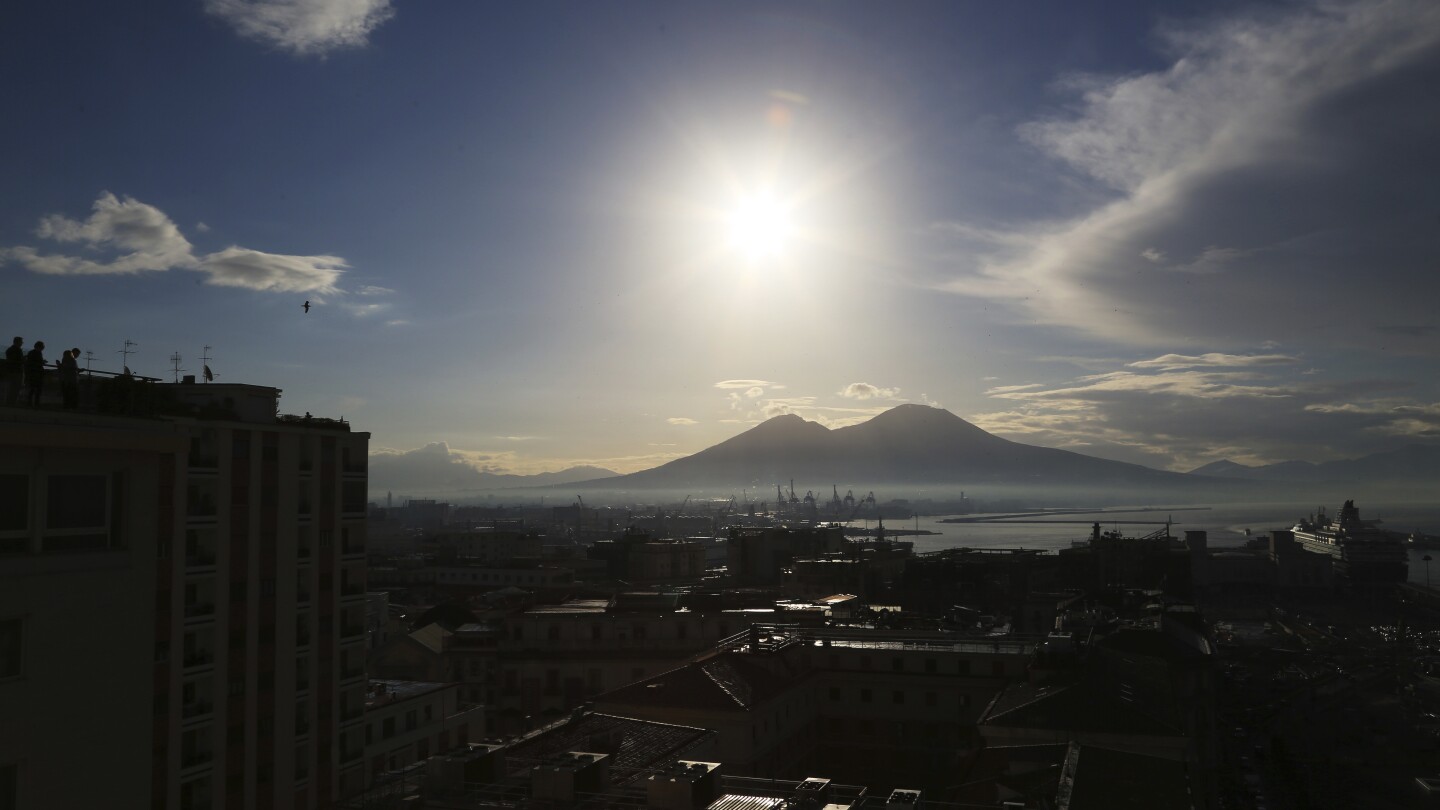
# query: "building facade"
x,y
209,556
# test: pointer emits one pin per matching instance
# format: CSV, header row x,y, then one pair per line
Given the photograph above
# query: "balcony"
x,y
351,715
351,674
195,759
198,659
192,711
200,507
352,631
302,727
353,549
201,558
199,610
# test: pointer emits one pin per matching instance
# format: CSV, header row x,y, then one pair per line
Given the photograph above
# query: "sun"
x,y
759,227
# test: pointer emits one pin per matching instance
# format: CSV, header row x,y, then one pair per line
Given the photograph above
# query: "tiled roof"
x,y
632,744
432,636
1113,780
726,683
1073,708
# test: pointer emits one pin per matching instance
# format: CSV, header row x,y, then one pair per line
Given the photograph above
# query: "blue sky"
x,y
1160,232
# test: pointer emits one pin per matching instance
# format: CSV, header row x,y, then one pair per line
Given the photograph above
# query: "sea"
x,y
1225,524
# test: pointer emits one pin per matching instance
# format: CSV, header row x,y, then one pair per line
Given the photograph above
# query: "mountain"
x,y
436,470
1410,464
912,444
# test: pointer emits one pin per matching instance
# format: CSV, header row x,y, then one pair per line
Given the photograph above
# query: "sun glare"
x,y
759,228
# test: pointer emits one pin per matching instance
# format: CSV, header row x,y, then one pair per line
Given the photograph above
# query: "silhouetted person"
x,y
35,373
70,378
14,369
306,307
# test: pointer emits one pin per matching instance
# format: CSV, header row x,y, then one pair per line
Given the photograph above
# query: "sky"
x,y
543,234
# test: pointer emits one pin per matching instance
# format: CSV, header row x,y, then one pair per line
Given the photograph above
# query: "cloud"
x,y
743,384
1177,361
372,290
144,237
757,391
1180,418
202,227
1252,164
254,270
303,27
141,238
681,420
861,390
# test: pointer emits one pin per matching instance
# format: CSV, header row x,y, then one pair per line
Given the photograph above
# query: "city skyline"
x,y
559,235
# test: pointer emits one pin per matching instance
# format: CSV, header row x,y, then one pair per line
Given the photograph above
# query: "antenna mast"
x,y
175,361
126,352
205,364
89,355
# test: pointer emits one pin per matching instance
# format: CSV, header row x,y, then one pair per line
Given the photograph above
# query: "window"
x,y
897,664
931,665
77,512
387,729
12,648
14,513
964,667
411,720
897,697
931,699
9,787
864,695
834,693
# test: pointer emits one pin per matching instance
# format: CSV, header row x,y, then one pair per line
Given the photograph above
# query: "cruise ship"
x,y
1364,553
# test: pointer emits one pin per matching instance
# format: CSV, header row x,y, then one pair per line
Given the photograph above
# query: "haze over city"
x,y
541,235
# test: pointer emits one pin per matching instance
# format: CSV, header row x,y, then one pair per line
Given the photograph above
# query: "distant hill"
x,y
1408,465
912,444
434,470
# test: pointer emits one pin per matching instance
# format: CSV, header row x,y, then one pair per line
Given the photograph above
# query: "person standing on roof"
x,y
14,370
35,373
70,378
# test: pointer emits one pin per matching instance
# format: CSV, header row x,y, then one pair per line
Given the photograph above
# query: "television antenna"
x,y
175,362
205,364
126,352
89,355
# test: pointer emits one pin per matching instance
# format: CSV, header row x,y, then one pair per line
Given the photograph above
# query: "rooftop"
x,y
383,692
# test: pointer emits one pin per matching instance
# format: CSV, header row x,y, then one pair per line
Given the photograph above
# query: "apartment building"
x,y
408,721
189,578
871,704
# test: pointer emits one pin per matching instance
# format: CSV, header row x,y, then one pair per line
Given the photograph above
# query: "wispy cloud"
x,y
141,238
726,384
1224,165
303,27
1178,361
1168,414
862,390
681,420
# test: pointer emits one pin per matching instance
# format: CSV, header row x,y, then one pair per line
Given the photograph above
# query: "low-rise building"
x,y
408,721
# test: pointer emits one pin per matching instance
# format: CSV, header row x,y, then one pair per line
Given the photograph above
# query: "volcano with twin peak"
x,y
909,444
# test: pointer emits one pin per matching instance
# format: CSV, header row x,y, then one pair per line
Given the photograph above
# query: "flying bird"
x,y
306,307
